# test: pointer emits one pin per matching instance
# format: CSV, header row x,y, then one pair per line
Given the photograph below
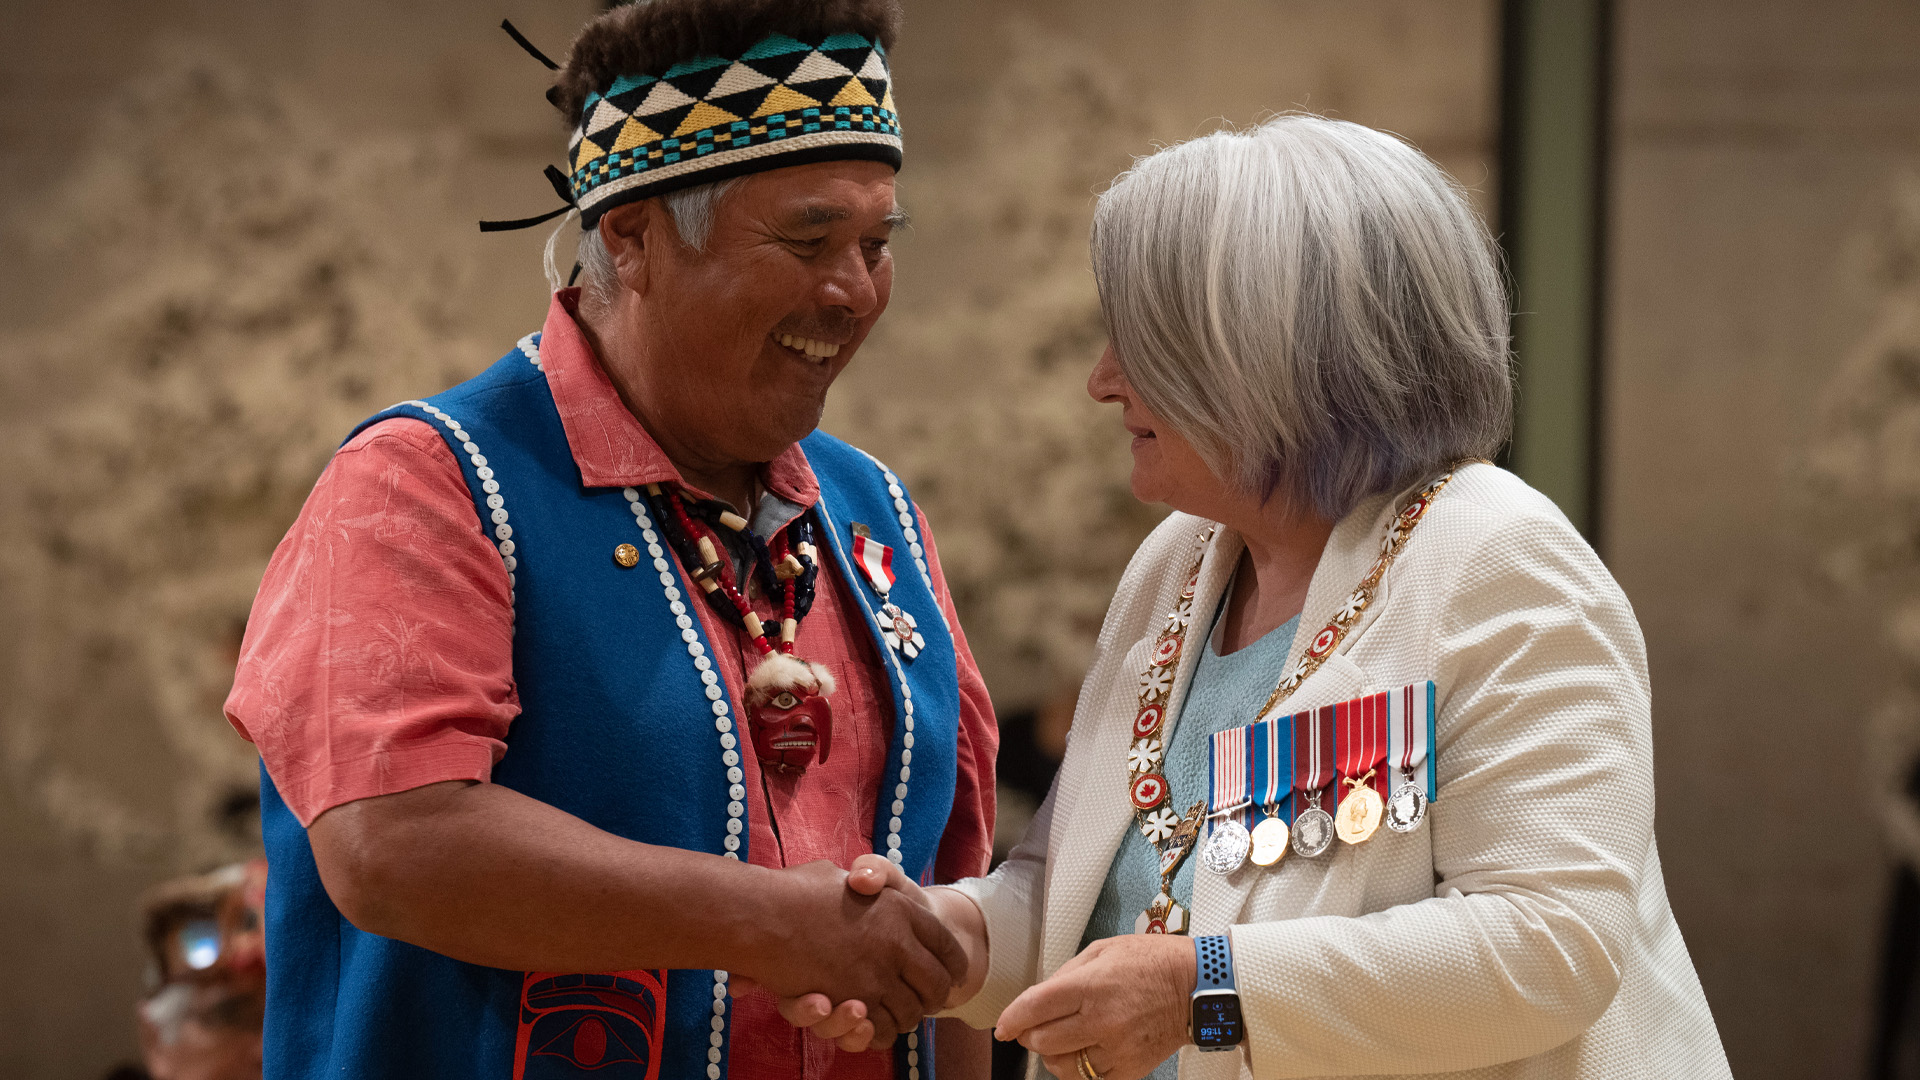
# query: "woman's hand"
x,y
1124,1000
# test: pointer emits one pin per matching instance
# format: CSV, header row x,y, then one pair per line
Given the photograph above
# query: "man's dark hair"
x,y
649,36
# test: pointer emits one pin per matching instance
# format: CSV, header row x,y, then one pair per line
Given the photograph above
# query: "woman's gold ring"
x,y
1086,1068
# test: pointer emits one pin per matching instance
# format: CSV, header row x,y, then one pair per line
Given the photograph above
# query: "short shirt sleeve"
x,y
379,653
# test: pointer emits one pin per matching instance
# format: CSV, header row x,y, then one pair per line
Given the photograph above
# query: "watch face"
x,y
1216,1020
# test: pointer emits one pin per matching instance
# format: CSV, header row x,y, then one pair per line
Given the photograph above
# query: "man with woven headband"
x,y
575,685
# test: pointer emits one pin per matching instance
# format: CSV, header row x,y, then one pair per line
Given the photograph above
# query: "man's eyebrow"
x,y
815,214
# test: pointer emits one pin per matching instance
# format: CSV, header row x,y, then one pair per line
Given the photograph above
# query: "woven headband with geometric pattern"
x,y
782,102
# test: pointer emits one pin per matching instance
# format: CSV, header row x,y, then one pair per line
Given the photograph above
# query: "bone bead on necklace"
x,y
788,715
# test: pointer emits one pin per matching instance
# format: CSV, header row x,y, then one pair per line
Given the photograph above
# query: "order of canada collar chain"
x,y
1174,835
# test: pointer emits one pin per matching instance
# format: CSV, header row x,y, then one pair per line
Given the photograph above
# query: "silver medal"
x,y
1227,848
1312,832
1407,809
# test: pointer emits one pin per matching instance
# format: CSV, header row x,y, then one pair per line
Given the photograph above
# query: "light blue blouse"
x,y
1226,692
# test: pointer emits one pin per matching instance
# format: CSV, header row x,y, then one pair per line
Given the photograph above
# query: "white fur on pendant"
x,y
780,671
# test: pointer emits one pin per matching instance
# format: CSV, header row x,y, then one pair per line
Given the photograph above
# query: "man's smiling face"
x,y
745,337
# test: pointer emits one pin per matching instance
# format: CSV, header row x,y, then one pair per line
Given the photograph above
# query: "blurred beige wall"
x,y
1759,145
189,326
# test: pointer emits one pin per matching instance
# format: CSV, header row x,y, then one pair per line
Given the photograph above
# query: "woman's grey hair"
x,y
692,209
1312,304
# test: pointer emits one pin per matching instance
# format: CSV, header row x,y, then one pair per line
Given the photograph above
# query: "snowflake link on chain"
x,y
1155,682
1158,826
1355,604
1144,757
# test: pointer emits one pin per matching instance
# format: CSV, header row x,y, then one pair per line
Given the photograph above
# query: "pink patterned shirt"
x,y
379,658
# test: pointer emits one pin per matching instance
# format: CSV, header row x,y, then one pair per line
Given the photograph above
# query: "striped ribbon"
x,y
1227,787
1410,734
1363,738
1313,743
1270,747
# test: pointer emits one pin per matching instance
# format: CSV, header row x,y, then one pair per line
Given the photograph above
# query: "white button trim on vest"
x,y
496,502
736,809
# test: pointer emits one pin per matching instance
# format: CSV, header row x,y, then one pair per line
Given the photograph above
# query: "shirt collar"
x,y
610,446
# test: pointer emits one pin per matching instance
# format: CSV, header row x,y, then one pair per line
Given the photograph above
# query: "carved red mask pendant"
x,y
789,728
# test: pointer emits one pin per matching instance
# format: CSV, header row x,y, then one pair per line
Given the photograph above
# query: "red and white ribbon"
x,y
1313,741
1229,787
1362,734
1410,734
875,559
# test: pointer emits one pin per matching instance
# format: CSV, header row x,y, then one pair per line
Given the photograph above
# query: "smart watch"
x,y
1215,1021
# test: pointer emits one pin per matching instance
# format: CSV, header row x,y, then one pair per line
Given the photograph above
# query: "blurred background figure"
x,y
232,230
207,969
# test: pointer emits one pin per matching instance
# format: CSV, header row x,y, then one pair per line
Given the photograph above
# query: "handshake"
x,y
862,961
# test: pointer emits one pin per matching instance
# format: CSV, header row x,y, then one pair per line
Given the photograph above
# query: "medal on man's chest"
x,y
898,627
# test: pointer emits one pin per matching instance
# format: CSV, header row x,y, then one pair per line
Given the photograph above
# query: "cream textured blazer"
x,y
1522,931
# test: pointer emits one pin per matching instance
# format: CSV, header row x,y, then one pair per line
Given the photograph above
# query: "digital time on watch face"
x,y
1216,1020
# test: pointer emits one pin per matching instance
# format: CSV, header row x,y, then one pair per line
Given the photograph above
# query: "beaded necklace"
x,y
789,717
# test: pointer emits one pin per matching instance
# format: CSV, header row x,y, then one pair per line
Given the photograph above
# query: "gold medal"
x,y
1359,816
1270,840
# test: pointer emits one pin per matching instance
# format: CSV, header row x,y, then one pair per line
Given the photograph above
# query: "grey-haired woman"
x,y
1309,348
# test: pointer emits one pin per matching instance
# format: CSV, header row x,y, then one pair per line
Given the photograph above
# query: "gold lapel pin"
x,y
627,555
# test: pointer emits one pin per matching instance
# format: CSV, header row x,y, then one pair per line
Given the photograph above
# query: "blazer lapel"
x,y
1084,846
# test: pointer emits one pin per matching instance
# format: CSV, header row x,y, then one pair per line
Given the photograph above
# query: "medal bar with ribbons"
x,y
1313,762
1360,735
1229,794
1270,765
1410,759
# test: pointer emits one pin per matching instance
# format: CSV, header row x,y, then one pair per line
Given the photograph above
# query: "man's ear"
x,y
635,235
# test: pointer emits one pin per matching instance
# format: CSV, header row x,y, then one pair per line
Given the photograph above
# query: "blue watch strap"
x,y
1214,960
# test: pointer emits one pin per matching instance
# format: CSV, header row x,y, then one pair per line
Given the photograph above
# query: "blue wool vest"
x,y
625,724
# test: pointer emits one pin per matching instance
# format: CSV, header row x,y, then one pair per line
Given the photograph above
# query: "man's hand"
x,y
1124,1000
840,937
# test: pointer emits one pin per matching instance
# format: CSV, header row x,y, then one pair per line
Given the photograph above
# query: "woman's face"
x,y
1166,468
